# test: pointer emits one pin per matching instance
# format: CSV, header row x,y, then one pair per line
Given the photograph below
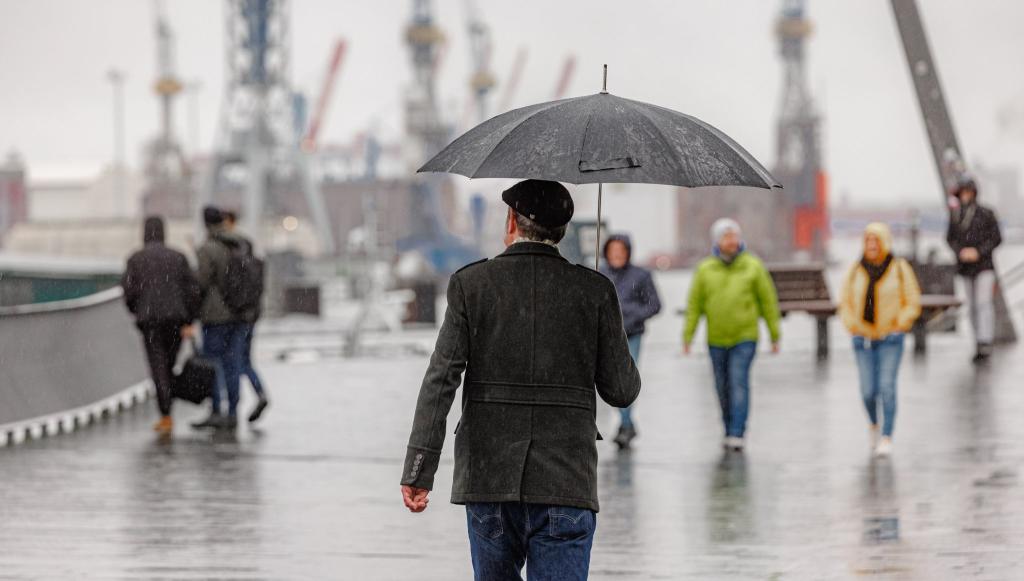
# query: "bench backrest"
x,y
797,283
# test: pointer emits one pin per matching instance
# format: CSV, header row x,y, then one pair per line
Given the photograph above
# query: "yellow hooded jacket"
x,y
897,294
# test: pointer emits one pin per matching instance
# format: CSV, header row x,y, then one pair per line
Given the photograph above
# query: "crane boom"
x,y
925,76
939,125
309,143
566,77
513,80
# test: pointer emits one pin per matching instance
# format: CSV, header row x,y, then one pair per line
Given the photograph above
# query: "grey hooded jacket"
x,y
538,339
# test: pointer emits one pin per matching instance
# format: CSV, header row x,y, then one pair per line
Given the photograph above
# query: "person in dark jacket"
x,y
538,339
163,295
246,367
973,235
638,299
223,329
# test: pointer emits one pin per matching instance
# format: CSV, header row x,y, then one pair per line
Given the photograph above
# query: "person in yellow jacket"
x,y
881,300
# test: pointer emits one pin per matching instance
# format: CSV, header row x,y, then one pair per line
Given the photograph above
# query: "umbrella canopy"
x,y
601,139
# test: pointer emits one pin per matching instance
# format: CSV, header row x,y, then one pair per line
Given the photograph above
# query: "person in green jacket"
x,y
733,290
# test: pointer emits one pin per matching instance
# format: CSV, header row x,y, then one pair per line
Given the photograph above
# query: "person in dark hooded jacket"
x,y
163,295
973,235
638,299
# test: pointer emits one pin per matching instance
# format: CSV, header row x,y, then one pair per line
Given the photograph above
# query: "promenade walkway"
x,y
313,493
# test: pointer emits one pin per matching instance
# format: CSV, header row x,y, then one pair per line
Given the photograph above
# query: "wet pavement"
x,y
313,493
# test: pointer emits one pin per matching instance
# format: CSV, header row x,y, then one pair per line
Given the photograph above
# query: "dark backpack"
x,y
242,287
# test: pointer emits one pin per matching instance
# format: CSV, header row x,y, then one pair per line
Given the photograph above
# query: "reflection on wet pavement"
x,y
313,494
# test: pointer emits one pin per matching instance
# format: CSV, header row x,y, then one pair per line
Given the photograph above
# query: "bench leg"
x,y
822,338
920,332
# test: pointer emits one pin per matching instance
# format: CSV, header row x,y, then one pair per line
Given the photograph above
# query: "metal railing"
x,y
66,364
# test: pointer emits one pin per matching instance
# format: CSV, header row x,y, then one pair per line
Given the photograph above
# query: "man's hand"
x,y
415,498
686,348
969,254
188,331
775,348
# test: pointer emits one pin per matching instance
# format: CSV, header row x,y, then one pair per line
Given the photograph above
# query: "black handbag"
x,y
197,378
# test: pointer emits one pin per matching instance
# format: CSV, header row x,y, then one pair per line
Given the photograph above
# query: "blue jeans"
x,y
732,382
246,368
552,541
879,363
626,413
224,343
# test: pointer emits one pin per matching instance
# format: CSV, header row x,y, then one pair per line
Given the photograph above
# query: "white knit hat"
x,y
723,225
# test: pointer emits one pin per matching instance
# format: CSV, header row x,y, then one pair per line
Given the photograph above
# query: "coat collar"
x,y
536,248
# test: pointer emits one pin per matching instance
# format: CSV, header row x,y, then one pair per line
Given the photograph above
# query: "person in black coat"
x,y
538,339
164,296
639,301
973,235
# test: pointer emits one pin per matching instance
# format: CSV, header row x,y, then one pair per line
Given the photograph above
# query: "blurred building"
x,y
70,198
765,215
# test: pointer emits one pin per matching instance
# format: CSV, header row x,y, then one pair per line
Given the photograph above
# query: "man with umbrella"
x,y
535,335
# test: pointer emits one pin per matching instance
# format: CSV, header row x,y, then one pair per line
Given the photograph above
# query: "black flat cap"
x,y
546,203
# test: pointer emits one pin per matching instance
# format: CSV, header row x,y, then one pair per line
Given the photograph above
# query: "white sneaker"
x,y
733,443
884,448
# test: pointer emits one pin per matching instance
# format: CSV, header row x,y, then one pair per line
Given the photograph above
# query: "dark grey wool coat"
x,y
535,336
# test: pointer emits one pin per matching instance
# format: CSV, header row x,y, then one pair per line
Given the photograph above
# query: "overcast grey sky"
x,y
715,59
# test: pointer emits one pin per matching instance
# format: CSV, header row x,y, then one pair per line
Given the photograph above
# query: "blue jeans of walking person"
x,y
553,542
878,362
225,344
246,369
626,413
732,382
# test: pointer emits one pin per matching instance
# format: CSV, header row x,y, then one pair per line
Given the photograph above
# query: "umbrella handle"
x,y
597,249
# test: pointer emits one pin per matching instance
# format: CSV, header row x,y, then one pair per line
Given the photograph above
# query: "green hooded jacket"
x,y
732,296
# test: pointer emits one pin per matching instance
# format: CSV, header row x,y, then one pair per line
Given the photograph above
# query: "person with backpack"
x,y
880,302
163,295
225,267
247,369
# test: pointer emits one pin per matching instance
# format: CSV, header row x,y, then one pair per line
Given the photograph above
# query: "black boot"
x,y
228,423
213,421
258,410
983,353
625,437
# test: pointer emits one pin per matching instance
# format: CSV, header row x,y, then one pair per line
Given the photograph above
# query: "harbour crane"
x,y
946,153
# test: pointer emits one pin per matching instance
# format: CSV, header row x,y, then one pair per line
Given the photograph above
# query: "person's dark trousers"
x,y
247,369
161,342
553,542
732,381
225,344
626,413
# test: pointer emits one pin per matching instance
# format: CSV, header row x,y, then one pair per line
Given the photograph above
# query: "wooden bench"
x,y
802,288
932,309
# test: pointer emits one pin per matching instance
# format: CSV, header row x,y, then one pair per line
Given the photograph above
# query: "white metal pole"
x,y
116,79
597,248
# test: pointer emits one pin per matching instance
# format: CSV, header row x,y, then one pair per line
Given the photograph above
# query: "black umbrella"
x,y
601,139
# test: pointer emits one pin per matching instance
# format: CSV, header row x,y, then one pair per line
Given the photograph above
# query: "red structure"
x,y
13,193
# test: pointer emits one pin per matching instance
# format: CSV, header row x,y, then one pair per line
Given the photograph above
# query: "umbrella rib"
x,y
661,136
519,124
765,176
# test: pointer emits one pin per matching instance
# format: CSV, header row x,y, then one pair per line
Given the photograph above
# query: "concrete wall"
x,y
64,364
